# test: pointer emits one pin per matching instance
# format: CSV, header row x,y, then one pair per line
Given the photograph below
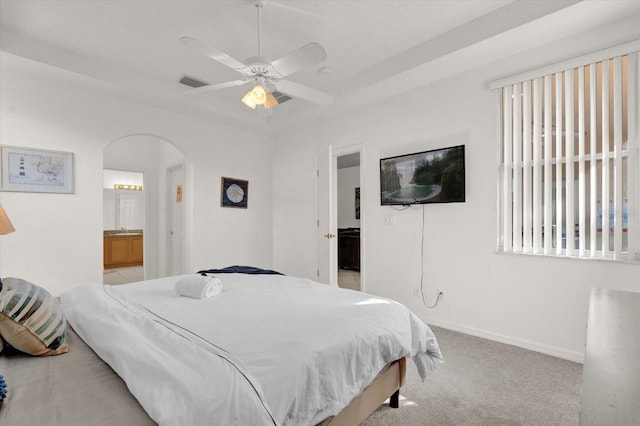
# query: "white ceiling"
x,y
375,49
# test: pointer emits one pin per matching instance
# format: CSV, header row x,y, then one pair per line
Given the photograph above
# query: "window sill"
x,y
627,258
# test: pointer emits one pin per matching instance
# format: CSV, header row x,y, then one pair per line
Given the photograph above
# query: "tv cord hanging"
x,y
422,270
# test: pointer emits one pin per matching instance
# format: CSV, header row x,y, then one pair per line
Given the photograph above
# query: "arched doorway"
x,y
154,157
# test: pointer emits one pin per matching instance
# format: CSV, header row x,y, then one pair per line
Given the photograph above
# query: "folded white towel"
x,y
199,287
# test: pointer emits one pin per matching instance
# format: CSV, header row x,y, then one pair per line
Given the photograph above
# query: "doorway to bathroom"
x,y
152,156
123,226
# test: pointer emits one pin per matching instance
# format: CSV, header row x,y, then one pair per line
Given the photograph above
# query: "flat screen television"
x,y
435,176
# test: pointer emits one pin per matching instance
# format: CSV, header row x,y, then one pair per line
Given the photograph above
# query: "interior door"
x,y
176,219
130,210
326,228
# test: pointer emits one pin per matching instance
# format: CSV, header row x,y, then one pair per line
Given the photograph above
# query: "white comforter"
x,y
268,350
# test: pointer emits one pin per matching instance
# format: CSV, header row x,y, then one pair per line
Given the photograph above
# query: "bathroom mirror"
x,y
123,207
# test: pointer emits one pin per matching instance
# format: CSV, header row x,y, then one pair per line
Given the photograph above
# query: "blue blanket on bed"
x,y
3,390
237,269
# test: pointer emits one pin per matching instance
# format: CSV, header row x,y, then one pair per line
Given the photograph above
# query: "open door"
x,y
327,208
326,222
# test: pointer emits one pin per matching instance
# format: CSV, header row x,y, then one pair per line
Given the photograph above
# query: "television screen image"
x,y
435,176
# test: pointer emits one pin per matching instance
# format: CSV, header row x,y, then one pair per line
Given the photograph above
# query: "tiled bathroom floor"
x,y
116,276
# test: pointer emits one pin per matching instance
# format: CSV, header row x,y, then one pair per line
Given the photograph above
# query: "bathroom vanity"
x,y
122,249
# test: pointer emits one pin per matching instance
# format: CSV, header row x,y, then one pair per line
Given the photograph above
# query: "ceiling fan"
x,y
266,75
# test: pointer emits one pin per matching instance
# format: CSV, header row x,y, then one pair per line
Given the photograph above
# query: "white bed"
x,y
269,349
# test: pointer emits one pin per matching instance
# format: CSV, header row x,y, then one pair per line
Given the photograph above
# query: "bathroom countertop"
x,y
122,233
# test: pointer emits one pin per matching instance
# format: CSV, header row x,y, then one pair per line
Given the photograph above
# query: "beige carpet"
x,y
487,383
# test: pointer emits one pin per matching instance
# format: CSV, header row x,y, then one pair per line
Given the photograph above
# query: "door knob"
x,y
329,236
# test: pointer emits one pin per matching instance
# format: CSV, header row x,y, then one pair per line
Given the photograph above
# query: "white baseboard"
x,y
533,346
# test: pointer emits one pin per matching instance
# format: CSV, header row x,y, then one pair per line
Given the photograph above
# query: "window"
x,y
568,180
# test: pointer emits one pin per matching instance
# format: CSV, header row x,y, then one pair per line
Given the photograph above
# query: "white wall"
x,y
534,302
111,177
58,238
348,180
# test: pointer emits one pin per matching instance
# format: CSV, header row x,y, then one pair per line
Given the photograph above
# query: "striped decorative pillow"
x,y
31,320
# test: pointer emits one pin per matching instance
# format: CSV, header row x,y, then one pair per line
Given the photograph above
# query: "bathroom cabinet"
x,y
123,250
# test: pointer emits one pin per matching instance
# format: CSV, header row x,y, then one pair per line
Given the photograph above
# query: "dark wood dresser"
x,y
349,248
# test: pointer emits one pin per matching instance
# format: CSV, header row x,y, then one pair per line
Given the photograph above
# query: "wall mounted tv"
x,y
435,176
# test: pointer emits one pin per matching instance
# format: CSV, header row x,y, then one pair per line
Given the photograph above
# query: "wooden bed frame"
x,y
79,388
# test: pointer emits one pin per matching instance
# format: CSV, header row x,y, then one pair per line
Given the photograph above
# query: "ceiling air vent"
x,y
280,97
192,82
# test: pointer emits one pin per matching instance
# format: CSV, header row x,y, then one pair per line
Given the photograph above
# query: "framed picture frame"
x,y
234,193
35,170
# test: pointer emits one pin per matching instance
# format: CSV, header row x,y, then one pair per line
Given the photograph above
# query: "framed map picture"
x,y
234,193
36,170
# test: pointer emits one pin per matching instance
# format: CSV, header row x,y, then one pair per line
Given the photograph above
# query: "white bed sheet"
x,y
269,349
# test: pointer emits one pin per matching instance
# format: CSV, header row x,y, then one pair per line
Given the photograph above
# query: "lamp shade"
x,y
5,224
270,102
255,96
259,96
248,100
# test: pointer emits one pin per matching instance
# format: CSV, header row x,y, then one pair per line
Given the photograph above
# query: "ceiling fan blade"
x,y
308,55
218,86
297,90
213,53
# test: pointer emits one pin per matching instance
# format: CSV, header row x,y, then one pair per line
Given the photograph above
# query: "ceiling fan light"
x,y
270,101
248,100
259,95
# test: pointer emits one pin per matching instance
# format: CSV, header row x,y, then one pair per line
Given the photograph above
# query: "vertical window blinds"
x,y
568,180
